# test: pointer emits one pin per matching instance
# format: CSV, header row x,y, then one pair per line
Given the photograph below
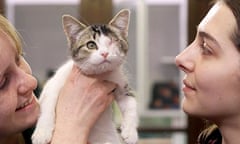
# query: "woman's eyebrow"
x,y
209,37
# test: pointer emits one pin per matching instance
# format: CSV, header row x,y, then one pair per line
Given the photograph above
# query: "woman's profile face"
x,y
18,105
212,67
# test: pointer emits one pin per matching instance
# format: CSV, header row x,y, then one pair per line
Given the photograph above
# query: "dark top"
x,y
27,135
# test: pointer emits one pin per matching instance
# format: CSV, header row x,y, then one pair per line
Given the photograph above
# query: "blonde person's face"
x,y
18,105
211,64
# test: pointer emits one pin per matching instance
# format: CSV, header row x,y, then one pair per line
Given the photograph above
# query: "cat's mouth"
x,y
105,61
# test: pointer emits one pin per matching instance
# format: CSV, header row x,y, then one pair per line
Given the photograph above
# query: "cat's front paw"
x,y
129,134
41,136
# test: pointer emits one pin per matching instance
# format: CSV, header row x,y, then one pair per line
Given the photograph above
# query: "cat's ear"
x,y
121,21
72,27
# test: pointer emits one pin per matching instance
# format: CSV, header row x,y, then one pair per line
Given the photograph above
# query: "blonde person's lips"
x,y
26,104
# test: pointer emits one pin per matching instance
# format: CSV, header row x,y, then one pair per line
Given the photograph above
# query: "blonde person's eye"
x,y
3,82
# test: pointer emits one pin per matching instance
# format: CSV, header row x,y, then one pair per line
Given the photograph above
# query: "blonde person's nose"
x,y
27,83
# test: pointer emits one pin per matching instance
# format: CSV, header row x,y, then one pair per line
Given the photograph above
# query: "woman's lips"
x,y
25,104
188,86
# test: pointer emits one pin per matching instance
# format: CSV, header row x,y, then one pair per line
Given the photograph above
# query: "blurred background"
x,y
159,30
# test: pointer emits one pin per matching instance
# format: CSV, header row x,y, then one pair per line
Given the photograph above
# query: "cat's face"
x,y
98,48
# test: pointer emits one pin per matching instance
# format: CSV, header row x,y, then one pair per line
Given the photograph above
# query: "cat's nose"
x,y
104,54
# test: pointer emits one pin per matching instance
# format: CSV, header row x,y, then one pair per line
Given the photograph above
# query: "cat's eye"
x,y
91,45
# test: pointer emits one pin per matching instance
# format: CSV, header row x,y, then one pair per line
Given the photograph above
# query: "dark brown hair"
x,y
210,135
234,5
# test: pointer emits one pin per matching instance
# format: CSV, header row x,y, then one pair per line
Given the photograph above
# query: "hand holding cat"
x,y
81,102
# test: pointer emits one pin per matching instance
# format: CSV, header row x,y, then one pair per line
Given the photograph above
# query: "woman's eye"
x,y
205,49
3,83
91,45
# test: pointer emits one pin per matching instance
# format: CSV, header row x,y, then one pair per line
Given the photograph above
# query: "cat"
x,y
105,45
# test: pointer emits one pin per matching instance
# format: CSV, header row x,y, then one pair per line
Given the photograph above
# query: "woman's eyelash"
x,y
205,48
4,83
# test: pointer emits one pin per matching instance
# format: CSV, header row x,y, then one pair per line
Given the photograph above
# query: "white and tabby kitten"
x,y
95,49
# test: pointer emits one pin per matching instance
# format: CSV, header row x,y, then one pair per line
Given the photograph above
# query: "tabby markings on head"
x,y
100,29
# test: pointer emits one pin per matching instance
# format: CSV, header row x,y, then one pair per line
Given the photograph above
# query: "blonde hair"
x,y
7,28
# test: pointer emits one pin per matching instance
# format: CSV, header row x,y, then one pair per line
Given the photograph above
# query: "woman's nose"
x,y
27,83
185,60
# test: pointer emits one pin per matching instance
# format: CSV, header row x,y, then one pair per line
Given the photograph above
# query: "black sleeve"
x,y
27,135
